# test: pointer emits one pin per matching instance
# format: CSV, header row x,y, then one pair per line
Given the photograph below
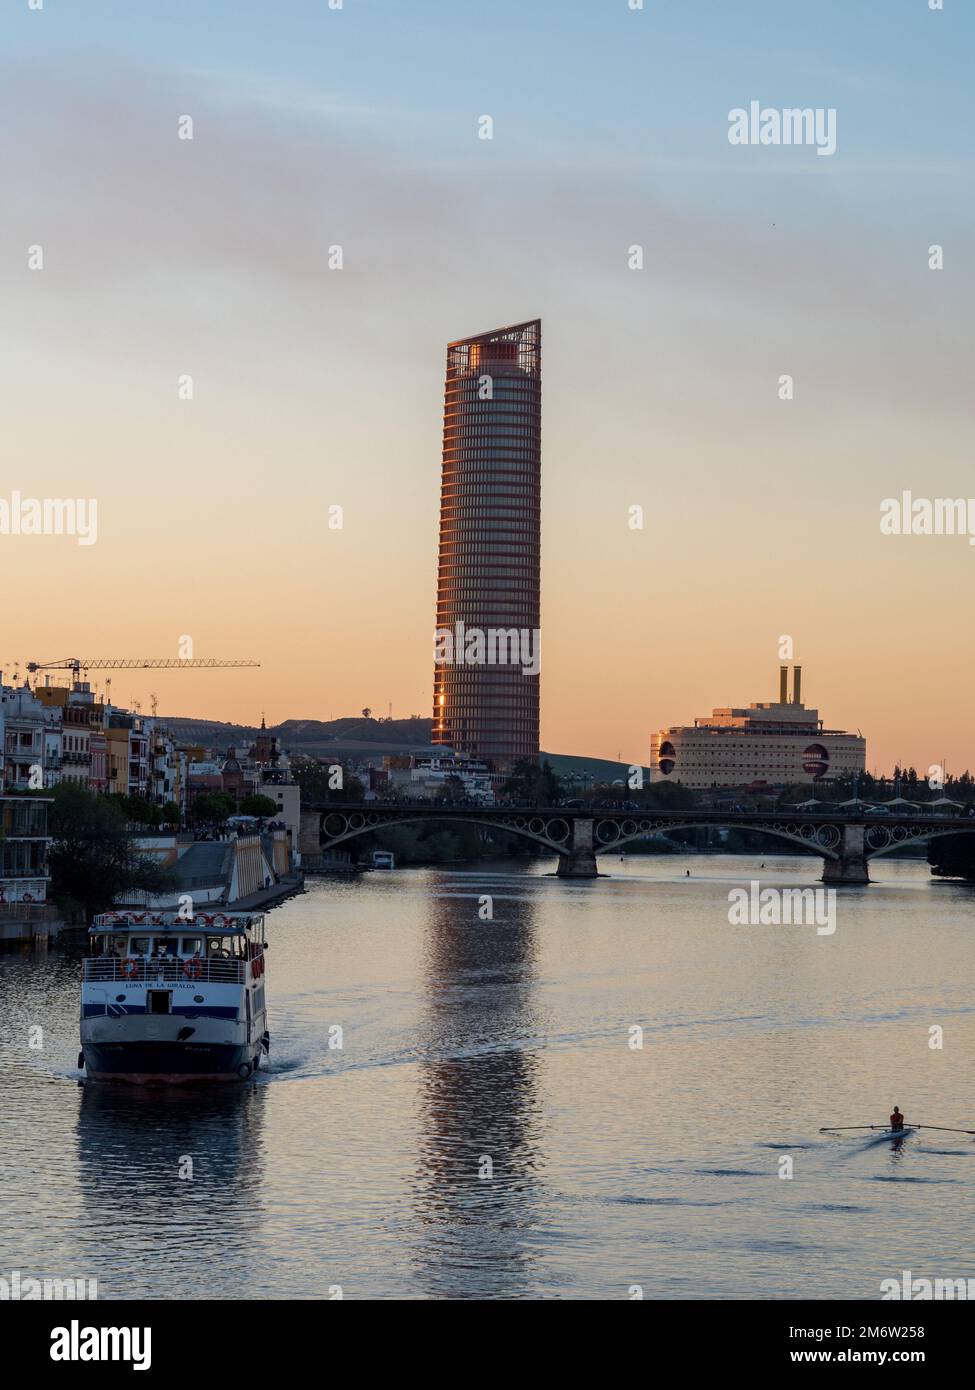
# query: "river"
x,y
456,1104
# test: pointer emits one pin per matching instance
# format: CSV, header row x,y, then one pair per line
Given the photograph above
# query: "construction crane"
x,y
77,664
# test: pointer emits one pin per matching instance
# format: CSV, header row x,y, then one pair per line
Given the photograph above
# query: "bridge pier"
x,y
580,859
851,866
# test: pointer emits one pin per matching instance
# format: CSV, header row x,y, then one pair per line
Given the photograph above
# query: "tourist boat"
x,y
167,1000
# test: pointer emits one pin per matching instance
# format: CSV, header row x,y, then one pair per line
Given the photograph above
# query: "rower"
x,y
897,1119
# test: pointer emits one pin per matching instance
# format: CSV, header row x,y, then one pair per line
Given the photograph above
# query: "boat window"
x,y
191,945
166,947
139,945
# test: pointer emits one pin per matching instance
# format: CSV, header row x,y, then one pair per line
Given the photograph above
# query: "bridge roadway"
x,y
844,841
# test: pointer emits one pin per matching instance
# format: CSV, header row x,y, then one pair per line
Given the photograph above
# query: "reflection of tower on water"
x,y
476,1189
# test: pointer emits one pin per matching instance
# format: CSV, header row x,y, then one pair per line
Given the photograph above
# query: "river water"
x,y
454,1105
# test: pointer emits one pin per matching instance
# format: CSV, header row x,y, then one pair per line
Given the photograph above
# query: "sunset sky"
x,y
315,387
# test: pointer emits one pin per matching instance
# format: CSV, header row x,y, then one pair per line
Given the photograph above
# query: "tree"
x,y
533,785
452,791
258,805
367,713
93,858
212,807
314,778
140,810
667,796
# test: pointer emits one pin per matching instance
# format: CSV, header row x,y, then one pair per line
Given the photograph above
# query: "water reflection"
x,y
479,1103
165,1174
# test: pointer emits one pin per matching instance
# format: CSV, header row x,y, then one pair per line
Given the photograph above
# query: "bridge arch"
x,y
553,832
823,840
879,840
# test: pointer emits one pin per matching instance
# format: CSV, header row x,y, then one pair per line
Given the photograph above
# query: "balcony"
x,y
28,912
107,969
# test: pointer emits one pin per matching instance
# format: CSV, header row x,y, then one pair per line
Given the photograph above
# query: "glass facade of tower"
x,y
489,544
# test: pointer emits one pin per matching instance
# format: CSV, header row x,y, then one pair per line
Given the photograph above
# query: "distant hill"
x,y
598,769
312,736
362,737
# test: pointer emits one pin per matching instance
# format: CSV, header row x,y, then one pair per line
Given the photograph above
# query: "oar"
x,y
832,1129
945,1129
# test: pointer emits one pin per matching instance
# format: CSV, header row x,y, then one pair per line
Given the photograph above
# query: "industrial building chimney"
x,y
797,685
783,685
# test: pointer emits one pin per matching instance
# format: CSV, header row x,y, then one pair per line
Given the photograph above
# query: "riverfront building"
x,y
488,579
24,843
416,775
777,743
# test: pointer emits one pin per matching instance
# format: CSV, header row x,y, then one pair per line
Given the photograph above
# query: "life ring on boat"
x,y
192,969
129,968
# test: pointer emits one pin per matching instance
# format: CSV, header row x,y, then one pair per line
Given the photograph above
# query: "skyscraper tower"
x,y
490,519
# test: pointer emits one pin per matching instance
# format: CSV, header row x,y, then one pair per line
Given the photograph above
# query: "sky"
x,y
313,388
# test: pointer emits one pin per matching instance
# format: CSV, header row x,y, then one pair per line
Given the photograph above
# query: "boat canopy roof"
x,y
156,923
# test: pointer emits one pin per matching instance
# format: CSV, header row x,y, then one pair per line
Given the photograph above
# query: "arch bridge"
x,y
845,842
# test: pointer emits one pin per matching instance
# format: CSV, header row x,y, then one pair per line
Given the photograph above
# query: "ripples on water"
x,y
472,1047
